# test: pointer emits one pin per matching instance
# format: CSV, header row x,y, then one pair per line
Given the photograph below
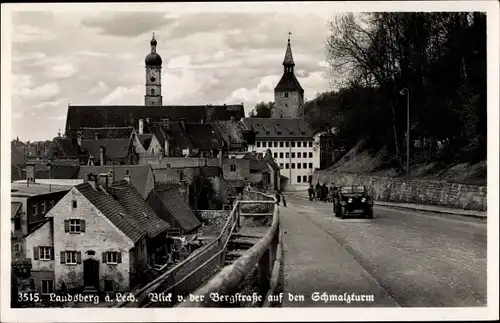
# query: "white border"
x,y
289,314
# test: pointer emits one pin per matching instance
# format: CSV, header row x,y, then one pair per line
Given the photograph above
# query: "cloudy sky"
x,y
92,58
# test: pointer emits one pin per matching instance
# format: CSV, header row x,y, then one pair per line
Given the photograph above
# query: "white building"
x,y
292,145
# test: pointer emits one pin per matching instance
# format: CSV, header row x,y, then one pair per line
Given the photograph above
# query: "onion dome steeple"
x,y
153,58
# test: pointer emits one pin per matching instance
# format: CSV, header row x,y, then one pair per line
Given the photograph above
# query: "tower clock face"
x,y
153,76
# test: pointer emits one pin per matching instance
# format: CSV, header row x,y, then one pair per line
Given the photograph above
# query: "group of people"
x,y
321,192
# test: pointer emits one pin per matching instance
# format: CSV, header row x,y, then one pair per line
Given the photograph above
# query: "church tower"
x,y
288,94
153,76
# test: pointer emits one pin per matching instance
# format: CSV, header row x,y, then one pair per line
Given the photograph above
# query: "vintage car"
x,y
353,200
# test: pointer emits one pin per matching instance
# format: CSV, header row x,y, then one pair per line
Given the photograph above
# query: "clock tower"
x,y
153,76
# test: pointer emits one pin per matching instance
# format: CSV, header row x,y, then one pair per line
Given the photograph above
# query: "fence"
x,y
188,275
266,254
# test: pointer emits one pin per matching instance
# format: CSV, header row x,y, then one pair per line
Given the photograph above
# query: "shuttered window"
x,y
112,257
43,253
74,225
71,257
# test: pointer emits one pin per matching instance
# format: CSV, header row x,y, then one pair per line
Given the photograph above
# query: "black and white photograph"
x,y
295,160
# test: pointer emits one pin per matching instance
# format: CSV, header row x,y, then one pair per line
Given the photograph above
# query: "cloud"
x,y
99,88
26,34
91,54
63,71
127,24
124,96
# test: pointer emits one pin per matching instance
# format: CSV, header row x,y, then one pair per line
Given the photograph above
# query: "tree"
x,y
262,110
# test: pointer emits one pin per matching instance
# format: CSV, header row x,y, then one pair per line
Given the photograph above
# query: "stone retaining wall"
x,y
213,214
441,193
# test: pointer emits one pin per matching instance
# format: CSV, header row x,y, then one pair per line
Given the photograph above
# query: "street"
x,y
409,258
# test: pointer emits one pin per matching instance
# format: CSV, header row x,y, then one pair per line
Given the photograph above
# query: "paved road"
x,y
406,258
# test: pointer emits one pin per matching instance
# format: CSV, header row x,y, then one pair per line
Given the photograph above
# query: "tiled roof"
x,y
106,132
137,208
167,175
139,175
37,226
65,147
231,132
58,172
14,208
114,148
288,82
125,116
235,183
37,189
113,210
279,128
174,203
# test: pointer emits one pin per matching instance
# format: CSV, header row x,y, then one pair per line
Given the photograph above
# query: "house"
x,y
232,133
170,202
264,172
291,142
99,235
110,152
140,176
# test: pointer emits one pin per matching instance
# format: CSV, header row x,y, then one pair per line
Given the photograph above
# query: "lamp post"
x,y
49,166
406,92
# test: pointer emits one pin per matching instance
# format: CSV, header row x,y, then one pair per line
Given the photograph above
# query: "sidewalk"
x,y
434,208
316,262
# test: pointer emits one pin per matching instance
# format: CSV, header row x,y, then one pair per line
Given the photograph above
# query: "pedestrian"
x,y
278,197
311,192
324,191
283,198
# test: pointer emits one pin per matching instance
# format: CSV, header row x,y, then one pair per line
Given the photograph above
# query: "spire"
x,y
153,43
288,61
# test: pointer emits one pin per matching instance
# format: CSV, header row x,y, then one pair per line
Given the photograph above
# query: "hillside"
x,y
361,161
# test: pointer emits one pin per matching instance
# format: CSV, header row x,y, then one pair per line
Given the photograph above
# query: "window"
x,y
299,179
305,144
17,223
232,168
35,208
17,247
74,226
108,285
112,257
275,144
287,144
281,155
281,144
275,155
71,258
286,94
293,165
298,143
74,204
299,155
310,179
310,165
298,166
264,144
287,155
310,155
310,143
304,178
51,205
270,144
258,144
286,166
45,253
293,143
304,165
281,165
42,207
293,155
47,286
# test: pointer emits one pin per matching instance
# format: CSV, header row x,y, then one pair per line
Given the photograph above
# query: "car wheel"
x,y
342,212
369,214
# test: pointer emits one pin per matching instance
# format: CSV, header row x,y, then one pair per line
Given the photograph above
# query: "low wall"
x,y
441,193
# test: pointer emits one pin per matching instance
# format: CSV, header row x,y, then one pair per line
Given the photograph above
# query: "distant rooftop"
x,y
21,189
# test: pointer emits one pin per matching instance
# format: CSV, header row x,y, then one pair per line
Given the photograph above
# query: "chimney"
x,y
96,136
183,124
127,175
79,138
141,126
103,180
30,173
102,157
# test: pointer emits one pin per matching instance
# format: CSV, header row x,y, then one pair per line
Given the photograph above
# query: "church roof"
x,y
288,61
288,83
79,116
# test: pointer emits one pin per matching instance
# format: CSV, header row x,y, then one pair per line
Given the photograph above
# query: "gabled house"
x,y
170,203
104,236
264,171
110,152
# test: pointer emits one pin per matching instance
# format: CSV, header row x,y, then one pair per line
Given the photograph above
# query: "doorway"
x,y
91,273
